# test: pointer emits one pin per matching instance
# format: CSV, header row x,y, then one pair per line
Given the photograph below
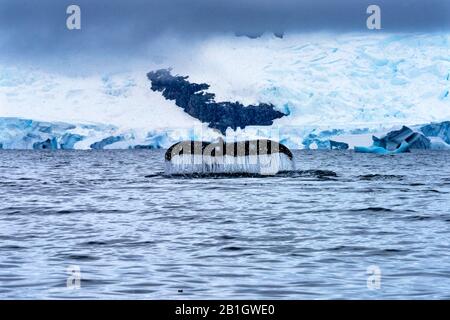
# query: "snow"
x,y
438,144
361,84
334,80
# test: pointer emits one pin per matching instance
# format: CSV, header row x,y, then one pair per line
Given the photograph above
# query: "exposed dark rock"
x,y
441,130
200,104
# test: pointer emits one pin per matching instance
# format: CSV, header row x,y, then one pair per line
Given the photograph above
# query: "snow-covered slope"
x,y
352,82
360,80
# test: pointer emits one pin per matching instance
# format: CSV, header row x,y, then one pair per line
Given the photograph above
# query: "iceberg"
x,y
322,140
144,147
68,140
335,145
393,140
404,147
397,141
105,142
49,144
438,144
439,130
16,133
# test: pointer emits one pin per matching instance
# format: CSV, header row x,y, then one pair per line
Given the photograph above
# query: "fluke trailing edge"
x,y
261,156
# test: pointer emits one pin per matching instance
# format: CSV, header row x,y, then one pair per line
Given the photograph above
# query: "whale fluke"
x,y
262,156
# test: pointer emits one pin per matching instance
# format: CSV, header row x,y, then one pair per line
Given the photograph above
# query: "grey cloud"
x,y
116,27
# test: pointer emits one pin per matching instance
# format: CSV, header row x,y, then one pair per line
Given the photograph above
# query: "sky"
x,y
35,31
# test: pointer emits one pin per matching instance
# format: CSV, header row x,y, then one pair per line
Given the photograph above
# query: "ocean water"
x,y
134,233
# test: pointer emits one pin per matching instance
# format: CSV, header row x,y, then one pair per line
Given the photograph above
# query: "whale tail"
x,y
263,157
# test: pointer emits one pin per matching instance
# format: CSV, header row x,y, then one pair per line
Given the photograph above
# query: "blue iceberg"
x,y
397,141
335,145
68,141
16,133
107,141
322,141
404,147
439,130
49,144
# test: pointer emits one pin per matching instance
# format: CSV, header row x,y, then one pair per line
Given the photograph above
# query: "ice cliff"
x,y
16,133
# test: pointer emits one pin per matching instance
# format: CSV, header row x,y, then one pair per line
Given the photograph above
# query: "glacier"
x,y
343,88
16,133
397,141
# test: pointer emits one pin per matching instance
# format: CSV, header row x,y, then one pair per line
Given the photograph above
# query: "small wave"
x,y
372,209
418,218
321,174
225,237
232,249
388,252
380,177
81,257
348,248
118,243
11,247
95,243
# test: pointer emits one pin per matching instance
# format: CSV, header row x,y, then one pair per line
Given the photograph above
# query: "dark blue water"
x,y
134,233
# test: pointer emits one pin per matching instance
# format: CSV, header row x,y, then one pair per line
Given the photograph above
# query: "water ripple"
x,y
136,233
